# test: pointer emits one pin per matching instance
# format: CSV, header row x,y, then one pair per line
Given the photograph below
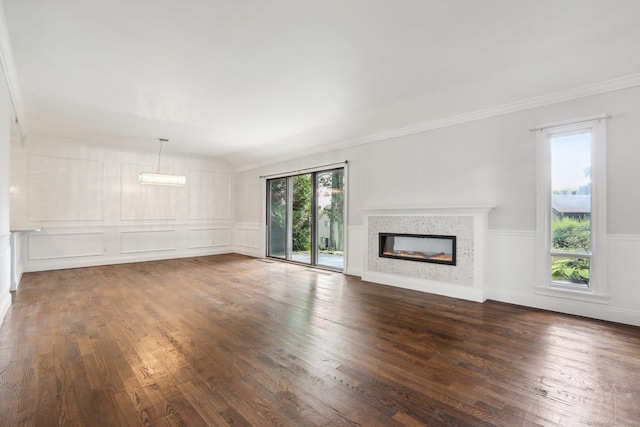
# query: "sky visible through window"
x,y
570,157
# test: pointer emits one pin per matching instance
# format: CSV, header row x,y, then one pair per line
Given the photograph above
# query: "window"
x,y
571,206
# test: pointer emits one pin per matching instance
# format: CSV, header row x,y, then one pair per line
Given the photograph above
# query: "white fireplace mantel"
x,y
432,210
466,280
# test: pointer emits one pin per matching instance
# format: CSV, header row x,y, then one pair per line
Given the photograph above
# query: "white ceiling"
x,y
248,80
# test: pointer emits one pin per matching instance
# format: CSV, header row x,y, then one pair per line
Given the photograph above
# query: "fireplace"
x,y
469,225
418,247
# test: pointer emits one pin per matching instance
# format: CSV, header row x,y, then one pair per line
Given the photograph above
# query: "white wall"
x,y
491,162
5,238
91,210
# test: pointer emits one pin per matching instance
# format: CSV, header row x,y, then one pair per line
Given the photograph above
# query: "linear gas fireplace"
x,y
418,247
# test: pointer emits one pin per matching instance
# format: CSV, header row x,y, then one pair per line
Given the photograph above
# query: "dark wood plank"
x,y
227,340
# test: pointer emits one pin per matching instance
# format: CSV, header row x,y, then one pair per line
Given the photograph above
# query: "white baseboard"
x,y
422,285
60,264
574,307
354,272
16,278
248,251
5,304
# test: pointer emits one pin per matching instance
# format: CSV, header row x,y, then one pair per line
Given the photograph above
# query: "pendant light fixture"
x,y
158,178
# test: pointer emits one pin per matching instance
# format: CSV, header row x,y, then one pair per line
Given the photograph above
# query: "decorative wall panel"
x,y
64,189
147,241
209,237
209,195
65,245
248,237
143,201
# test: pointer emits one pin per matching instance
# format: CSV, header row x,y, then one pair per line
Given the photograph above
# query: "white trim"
x,y
355,271
11,76
241,245
619,83
598,279
354,266
16,263
78,233
264,216
250,249
137,251
6,257
345,217
211,245
439,288
513,233
5,241
247,252
612,237
5,304
252,226
430,210
567,306
204,229
48,265
573,294
136,227
624,237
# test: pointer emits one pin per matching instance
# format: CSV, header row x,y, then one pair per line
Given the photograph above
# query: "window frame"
x,y
596,126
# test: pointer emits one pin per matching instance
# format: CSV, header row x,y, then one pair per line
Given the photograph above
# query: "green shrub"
x,y
301,221
573,269
572,235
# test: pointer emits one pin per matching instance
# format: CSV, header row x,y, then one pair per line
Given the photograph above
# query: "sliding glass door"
x,y
305,218
330,219
301,218
277,218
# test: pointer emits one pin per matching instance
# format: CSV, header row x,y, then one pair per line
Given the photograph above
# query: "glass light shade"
x,y
162,179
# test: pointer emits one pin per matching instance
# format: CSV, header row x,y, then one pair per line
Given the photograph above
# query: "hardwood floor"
x,y
231,340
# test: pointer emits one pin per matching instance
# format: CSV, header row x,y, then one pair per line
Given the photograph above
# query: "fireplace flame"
x,y
421,255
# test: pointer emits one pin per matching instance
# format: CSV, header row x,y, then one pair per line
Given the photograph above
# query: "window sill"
x,y
574,294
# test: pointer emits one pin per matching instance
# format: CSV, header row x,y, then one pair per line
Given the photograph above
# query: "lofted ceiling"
x,y
249,80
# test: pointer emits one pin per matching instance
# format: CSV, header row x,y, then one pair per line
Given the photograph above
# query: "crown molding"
x,y
11,76
620,83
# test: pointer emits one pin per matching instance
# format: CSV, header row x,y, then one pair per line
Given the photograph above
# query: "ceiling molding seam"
x,y
513,107
11,76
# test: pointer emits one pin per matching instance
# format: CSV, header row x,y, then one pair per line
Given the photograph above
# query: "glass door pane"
x,y
277,218
330,219
301,219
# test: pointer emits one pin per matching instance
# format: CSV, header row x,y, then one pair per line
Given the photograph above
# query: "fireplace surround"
x,y
469,224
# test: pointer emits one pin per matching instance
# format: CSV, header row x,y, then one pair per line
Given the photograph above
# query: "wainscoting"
x,y
249,239
91,209
58,248
5,275
511,278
